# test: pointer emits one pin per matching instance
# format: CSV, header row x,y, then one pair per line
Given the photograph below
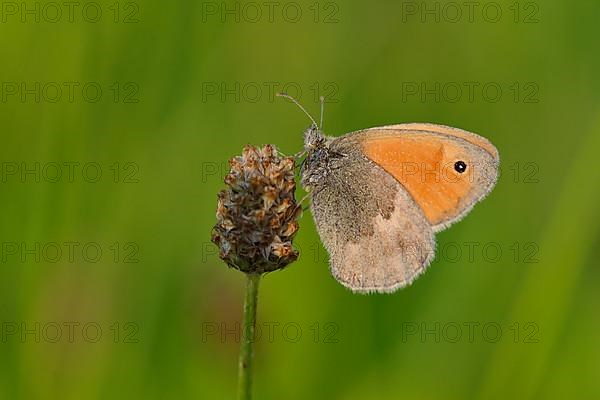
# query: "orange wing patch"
x,y
425,167
446,130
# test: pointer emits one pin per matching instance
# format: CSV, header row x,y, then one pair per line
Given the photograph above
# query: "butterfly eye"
x,y
460,167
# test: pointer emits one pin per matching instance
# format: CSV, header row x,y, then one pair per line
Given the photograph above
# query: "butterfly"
x,y
379,195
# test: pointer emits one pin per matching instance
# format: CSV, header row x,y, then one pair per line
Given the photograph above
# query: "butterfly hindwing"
x,y
378,239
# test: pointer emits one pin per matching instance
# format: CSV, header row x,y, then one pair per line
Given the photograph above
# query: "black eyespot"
x,y
460,167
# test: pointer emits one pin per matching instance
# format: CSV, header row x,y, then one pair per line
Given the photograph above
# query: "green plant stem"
x,y
247,340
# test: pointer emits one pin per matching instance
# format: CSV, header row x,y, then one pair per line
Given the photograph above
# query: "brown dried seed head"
x,y
257,213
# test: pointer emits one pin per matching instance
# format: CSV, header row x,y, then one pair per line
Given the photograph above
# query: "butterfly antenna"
x,y
287,96
322,107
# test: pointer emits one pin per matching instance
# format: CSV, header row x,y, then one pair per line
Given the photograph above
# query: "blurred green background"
x,y
164,93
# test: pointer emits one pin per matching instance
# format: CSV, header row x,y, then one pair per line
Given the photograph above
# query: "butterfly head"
x,y
316,164
313,138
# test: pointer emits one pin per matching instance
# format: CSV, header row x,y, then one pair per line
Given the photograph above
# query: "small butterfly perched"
x,y
379,195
